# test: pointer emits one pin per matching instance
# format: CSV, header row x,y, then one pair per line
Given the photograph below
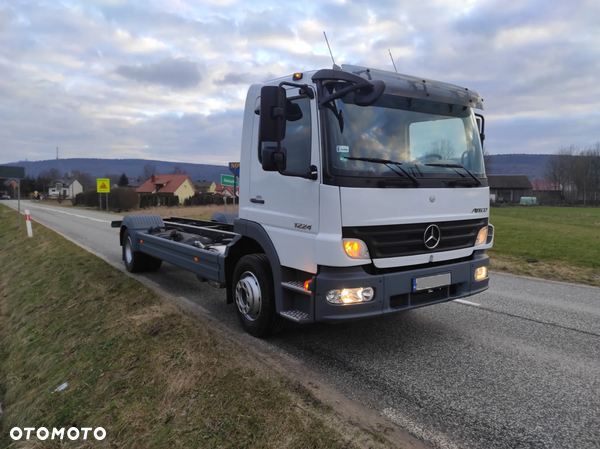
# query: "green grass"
x,y
151,375
564,241
570,235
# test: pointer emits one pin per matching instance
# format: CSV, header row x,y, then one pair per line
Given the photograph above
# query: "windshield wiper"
x,y
388,164
455,166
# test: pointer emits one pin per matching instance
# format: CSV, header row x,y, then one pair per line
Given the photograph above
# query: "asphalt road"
x,y
515,367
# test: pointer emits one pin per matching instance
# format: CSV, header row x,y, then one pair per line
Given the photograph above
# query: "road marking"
x,y
468,303
51,209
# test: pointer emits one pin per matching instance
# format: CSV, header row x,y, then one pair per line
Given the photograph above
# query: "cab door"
x,y
285,203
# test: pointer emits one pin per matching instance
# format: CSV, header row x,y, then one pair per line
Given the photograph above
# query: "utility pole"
x,y
56,153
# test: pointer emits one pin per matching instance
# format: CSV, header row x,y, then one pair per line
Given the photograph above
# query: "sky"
x,y
167,80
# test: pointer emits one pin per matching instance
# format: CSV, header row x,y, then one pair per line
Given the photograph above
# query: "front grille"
x,y
407,240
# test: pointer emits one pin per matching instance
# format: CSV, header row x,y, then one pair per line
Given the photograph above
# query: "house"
x,y
509,188
168,185
205,187
134,182
226,190
66,188
547,192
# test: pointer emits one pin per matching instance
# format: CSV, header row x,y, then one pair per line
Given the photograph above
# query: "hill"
x,y
100,168
532,165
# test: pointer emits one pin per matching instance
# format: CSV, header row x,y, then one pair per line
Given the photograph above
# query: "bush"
x,y
203,200
149,200
122,199
89,198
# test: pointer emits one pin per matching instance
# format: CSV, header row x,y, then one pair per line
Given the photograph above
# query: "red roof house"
x,y
169,185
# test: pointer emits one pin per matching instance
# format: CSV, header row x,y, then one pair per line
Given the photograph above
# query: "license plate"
x,y
425,283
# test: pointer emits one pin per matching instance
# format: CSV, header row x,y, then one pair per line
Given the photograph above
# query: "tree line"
x,y
45,179
576,173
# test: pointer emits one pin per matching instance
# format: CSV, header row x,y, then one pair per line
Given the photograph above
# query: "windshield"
x,y
419,134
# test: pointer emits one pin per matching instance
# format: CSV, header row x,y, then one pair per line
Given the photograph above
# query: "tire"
x,y
152,263
135,261
254,296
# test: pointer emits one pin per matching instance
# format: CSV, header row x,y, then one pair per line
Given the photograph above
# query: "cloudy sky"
x,y
160,79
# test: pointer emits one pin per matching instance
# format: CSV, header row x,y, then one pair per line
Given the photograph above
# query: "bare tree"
x,y
149,171
594,158
85,179
53,174
558,170
487,161
443,147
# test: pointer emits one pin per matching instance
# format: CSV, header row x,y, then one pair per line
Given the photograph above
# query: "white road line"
x,y
468,303
51,209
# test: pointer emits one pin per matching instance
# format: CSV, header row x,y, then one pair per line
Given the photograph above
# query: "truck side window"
x,y
297,140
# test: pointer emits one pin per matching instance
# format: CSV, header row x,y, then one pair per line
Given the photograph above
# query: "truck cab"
x,y
338,214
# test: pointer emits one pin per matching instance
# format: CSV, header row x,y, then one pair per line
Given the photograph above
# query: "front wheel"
x,y
254,296
135,261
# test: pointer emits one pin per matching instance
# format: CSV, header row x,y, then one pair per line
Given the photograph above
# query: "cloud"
x,y
130,78
175,73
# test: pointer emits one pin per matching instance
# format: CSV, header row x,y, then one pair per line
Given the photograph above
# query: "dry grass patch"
x,y
151,375
553,271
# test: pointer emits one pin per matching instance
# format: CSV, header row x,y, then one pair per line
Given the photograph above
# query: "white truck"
x,y
362,193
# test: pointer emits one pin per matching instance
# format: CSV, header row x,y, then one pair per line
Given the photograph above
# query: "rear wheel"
x,y
152,263
135,261
254,296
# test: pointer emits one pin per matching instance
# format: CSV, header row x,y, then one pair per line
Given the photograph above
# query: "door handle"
x,y
258,200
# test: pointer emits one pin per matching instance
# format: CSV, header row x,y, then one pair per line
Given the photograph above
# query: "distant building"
x,y
509,188
134,182
204,187
66,188
169,185
547,192
226,190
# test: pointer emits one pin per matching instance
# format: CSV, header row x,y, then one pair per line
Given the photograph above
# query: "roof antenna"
x,y
326,40
392,58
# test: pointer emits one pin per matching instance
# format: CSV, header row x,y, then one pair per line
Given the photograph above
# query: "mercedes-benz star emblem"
x,y
432,236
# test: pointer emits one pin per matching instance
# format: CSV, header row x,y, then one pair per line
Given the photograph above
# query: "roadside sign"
x,y
234,167
10,171
103,185
227,180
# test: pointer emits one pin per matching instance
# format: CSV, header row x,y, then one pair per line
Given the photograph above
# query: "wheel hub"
x,y
248,296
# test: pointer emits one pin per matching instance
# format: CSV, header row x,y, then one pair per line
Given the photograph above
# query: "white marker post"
x,y
28,223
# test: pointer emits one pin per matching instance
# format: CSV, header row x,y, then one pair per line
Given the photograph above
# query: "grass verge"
x,y
563,241
149,374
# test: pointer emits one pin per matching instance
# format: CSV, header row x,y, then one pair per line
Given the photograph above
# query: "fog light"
x,y
350,295
481,273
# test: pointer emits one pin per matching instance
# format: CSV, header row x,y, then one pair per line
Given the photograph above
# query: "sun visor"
x,y
421,88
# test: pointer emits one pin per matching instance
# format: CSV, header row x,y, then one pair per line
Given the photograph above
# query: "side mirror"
x,y
273,113
274,159
481,125
368,96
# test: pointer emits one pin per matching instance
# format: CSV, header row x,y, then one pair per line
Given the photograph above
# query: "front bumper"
x,y
394,291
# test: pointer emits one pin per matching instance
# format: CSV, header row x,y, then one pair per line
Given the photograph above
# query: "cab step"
x,y
296,315
297,286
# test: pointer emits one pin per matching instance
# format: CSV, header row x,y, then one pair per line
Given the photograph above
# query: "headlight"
x,y
482,236
357,249
350,295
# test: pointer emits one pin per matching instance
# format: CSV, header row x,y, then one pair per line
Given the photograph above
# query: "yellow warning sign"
x,y
103,185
